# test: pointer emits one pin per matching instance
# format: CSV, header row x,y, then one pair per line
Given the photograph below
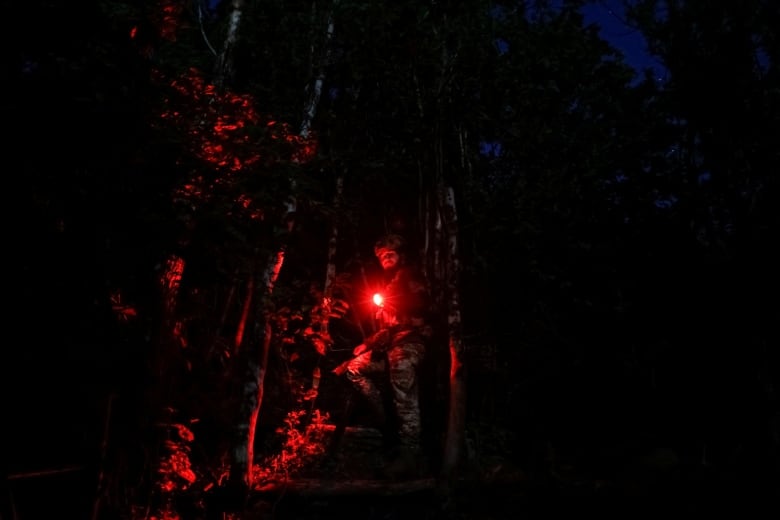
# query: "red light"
x,y
378,300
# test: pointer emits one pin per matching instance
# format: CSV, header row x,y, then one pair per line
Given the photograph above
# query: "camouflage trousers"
x,y
401,364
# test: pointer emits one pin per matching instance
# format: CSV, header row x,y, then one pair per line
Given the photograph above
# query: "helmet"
x,y
392,242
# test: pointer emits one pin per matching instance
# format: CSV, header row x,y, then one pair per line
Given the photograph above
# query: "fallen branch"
x,y
334,488
44,473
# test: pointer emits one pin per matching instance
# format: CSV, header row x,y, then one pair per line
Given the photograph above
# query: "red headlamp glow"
x,y
379,300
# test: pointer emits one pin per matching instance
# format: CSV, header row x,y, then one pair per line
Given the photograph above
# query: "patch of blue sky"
x,y
613,28
665,202
490,149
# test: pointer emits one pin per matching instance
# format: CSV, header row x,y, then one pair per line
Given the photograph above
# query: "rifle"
x,y
379,301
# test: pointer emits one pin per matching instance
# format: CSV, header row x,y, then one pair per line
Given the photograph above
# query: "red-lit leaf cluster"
x,y
304,443
168,16
175,470
317,331
301,332
225,131
124,312
170,280
163,23
171,276
217,125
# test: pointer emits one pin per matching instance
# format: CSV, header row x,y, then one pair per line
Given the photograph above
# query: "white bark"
x,y
315,90
456,418
225,59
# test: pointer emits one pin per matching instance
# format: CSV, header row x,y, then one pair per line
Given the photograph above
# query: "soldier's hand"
x,y
359,349
338,308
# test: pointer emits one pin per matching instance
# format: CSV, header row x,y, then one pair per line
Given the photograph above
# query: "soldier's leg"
x,y
363,372
403,364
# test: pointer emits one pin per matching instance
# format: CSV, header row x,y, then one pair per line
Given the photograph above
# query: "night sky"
x,y
616,30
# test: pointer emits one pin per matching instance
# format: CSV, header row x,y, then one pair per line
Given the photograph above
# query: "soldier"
x,y
396,350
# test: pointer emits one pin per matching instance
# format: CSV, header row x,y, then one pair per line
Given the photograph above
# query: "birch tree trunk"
x,y
443,264
310,110
254,358
456,418
315,89
446,266
224,69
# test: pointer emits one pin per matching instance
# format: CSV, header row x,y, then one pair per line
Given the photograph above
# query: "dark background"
x,y
619,285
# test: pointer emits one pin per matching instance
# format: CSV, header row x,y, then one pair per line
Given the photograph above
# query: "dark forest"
x,y
193,183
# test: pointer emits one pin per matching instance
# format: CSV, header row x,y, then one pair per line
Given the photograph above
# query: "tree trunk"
x,y
245,309
315,89
254,360
224,69
456,419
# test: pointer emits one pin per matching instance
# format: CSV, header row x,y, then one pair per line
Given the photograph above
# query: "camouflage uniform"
x,y
397,348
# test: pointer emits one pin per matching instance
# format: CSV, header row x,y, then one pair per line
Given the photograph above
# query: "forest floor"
x,y
349,486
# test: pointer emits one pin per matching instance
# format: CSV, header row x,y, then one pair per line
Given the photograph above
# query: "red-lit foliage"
x,y
225,141
296,330
124,312
174,470
170,280
168,16
171,276
224,130
304,442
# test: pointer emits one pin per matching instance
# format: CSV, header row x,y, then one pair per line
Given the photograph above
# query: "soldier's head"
x,y
389,250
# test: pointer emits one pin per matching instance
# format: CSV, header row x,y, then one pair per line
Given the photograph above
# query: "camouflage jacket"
x,y
404,314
